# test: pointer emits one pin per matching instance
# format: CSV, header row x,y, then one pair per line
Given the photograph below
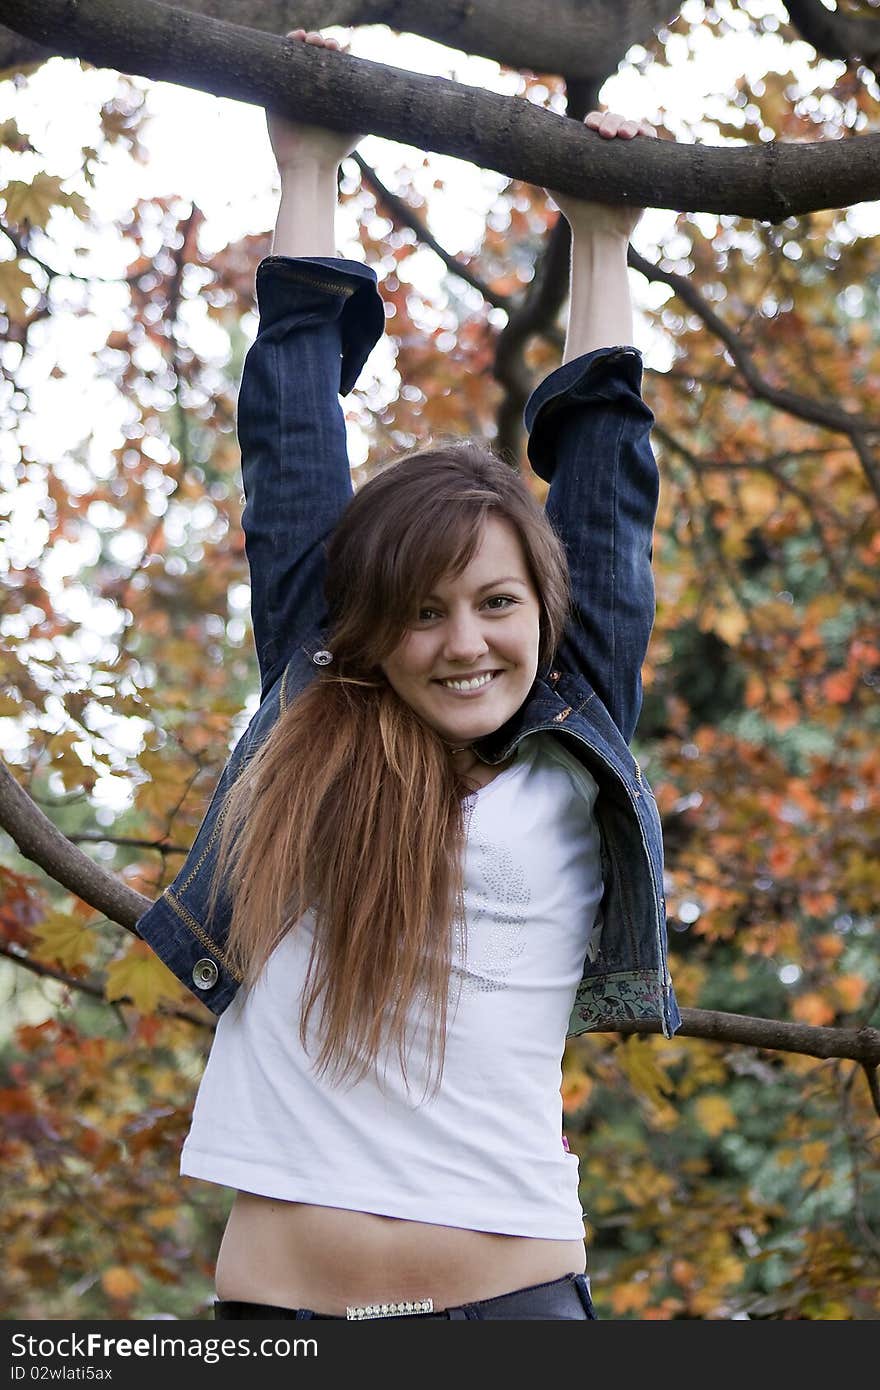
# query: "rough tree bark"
x,y
583,38
770,182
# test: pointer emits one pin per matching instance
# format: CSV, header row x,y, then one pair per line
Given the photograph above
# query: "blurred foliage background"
x,y
718,1182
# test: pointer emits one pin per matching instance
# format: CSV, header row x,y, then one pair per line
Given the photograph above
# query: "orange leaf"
x,y
119,1283
838,688
812,1008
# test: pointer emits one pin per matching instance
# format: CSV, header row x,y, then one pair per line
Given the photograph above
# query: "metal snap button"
x,y
205,973
322,658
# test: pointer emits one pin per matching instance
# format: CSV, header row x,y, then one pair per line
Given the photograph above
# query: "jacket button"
x,y
205,973
322,658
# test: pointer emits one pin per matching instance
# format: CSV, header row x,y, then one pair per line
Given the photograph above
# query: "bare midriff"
x,y
299,1255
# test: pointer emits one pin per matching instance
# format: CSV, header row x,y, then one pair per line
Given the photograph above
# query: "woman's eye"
x,y
498,603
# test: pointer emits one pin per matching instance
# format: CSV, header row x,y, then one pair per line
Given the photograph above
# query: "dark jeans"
x,y
568,1298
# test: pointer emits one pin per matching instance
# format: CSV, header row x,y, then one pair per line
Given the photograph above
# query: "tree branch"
x,y
830,417
44,844
93,988
536,313
402,214
770,465
94,837
770,182
583,37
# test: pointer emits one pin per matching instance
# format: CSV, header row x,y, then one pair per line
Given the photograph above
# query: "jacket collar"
x,y
540,705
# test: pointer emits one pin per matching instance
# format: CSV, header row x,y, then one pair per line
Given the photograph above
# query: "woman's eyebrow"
x,y
493,584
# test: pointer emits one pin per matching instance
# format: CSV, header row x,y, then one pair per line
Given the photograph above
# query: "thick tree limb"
x,y
835,34
582,37
43,843
770,182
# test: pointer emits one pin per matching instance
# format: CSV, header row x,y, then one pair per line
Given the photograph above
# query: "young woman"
x,y
432,855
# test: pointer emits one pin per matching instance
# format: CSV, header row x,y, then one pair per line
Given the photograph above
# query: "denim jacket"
x,y
589,439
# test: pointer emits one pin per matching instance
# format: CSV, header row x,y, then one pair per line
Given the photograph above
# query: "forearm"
x,y
600,305
305,224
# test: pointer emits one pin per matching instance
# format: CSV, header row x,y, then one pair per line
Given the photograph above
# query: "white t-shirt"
x,y
486,1152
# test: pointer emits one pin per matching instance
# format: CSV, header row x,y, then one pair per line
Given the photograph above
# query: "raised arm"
x,y
590,439
320,316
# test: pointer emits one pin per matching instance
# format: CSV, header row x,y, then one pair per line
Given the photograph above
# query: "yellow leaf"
x,y
141,977
815,1153
162,1218
10,133
120,1283
34,201
13,282
714,1115
64,939
730,624
644,1070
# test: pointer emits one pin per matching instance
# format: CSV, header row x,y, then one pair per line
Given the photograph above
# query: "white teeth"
x,y
471,684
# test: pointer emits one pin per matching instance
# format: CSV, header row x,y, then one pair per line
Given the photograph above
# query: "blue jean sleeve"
x,y
589,438
319,318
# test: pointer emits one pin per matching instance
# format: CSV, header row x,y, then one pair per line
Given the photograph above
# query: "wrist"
x,y
314,166
587,229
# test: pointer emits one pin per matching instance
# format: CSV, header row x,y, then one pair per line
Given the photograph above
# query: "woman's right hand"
x,y
609,219
294,142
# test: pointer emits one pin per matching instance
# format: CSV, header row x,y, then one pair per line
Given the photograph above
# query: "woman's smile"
x,y
468,685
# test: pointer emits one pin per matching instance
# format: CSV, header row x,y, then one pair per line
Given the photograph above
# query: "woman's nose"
x,y
465,640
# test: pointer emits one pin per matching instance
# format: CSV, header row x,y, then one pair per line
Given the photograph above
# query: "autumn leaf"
x,y
813,1008
645,1071
14,280
630,1297
141,977
31,204
64,939
850,991
120,1283
714,1115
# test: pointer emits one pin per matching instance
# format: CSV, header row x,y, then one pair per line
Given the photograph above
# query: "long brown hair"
x,y
352,807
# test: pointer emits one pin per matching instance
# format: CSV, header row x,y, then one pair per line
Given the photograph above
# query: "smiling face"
x,y
468,659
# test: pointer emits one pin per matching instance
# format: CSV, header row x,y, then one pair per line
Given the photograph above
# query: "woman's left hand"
x,y
293,141
612,219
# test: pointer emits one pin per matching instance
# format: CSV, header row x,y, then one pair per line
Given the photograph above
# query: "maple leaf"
x,y
141,977
64,939
13,283
31,204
